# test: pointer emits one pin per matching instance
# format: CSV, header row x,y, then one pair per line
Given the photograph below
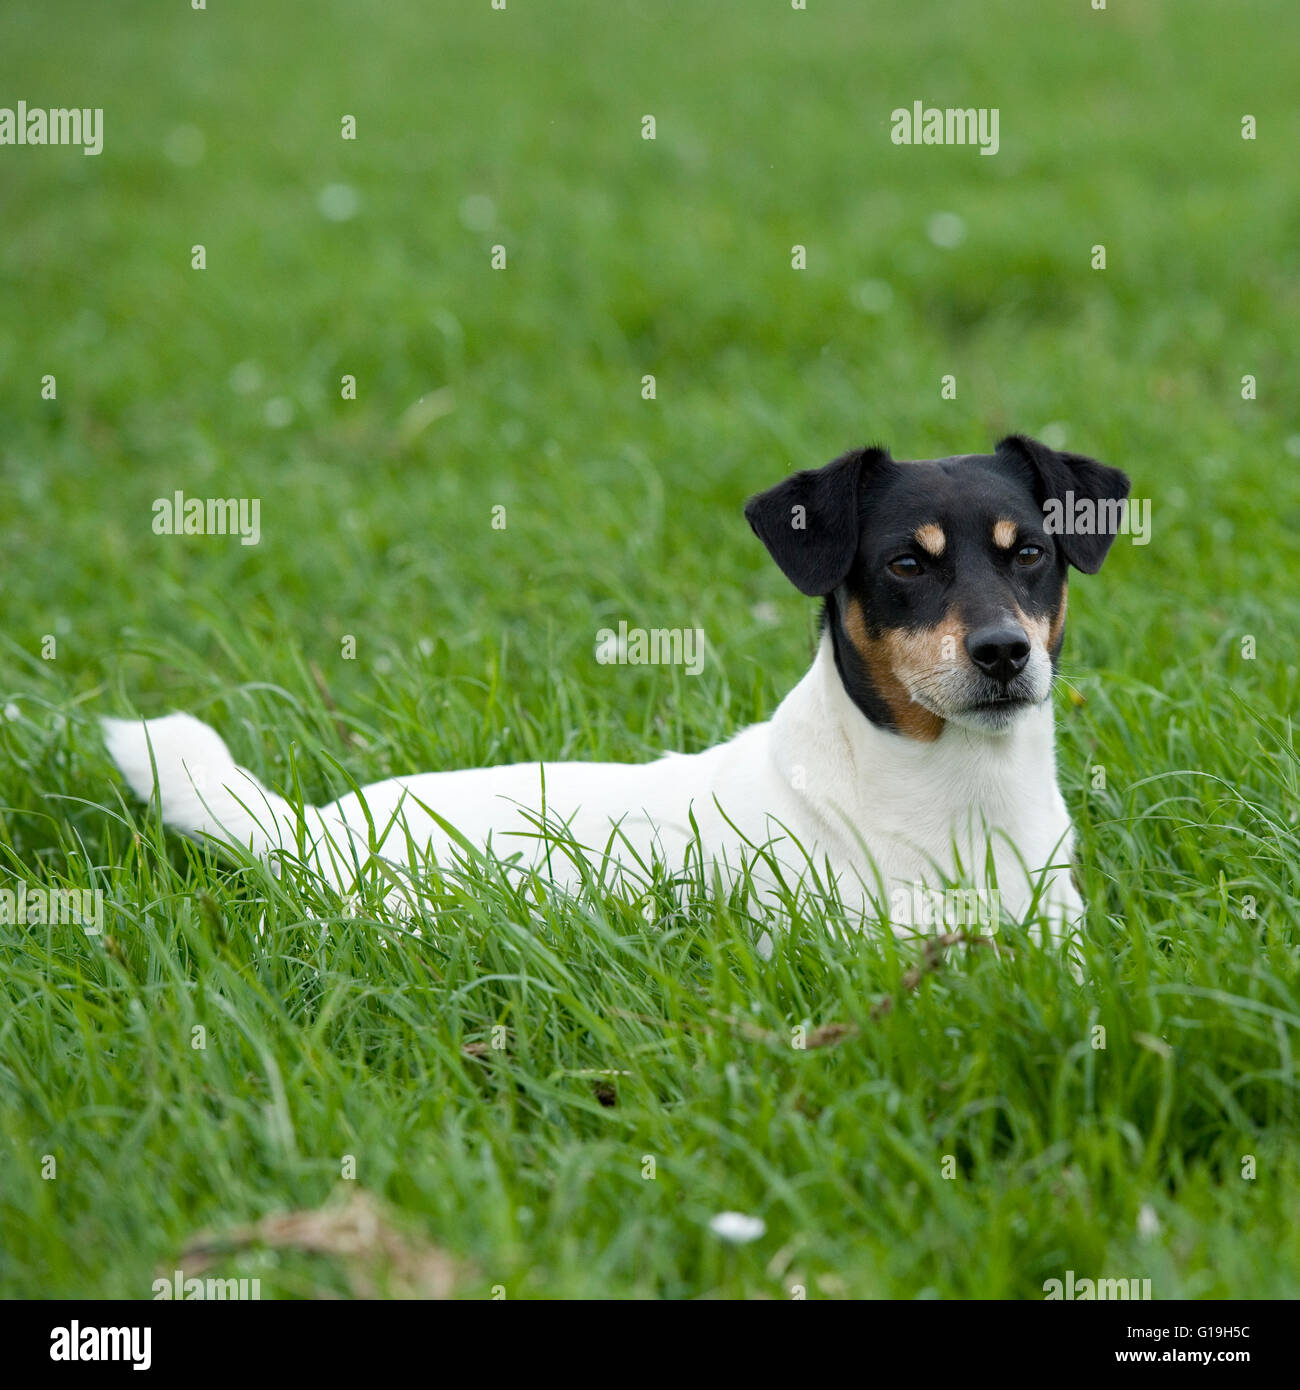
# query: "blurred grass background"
x,y
522,388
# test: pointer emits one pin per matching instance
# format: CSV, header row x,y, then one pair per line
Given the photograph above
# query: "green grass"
x,y
328,1031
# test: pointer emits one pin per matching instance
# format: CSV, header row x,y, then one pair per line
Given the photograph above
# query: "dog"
x,y
917,753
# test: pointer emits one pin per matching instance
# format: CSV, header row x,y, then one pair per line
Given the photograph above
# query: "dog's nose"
x,y
1000,652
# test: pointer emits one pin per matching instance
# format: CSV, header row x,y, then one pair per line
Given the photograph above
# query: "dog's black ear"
x,y
1061,481
810,522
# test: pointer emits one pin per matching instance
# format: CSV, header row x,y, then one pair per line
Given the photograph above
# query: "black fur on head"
x,y
810,522
1064,479
944,579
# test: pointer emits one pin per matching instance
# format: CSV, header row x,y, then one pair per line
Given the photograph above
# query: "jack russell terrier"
x,y
916,755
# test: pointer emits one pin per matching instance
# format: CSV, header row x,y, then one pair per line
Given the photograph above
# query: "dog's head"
x,y
944,580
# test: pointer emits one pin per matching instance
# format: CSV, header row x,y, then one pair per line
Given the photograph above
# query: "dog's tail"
x,y
201,791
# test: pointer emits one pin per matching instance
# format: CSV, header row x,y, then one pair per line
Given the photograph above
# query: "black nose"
x,y
1000,651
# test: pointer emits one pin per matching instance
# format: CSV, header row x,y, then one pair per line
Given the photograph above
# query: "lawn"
x,y
548,1097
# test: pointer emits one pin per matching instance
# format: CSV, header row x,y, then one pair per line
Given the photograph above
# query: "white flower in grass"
x,y
873,296
245,377
1148,1222
946,230
477,212
278,412
185,145
1054,434
736,1228
766,613
338,202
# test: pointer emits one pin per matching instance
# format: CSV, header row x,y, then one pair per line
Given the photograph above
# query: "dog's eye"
x,y
905,567
1029,555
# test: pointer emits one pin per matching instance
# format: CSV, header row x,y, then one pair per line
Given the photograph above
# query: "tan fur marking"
x,y
1058,622
1038,630
1004,534
1045,632
896,652
931,539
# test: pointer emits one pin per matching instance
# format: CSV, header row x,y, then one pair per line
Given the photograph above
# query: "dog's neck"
x,y
1002,777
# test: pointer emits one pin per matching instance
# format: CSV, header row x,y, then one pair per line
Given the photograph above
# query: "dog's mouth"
x,y
991,712
996,709
1007,700
978,703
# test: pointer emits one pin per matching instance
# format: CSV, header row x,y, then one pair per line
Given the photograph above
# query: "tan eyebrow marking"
x,y
1004,534
931,539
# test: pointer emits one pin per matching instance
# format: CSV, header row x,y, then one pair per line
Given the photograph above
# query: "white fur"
x,y
881,812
